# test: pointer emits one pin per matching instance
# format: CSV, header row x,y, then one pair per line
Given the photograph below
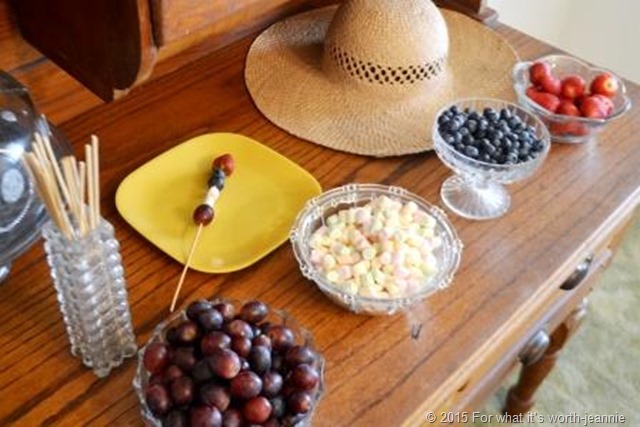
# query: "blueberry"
x,y
459,147
217,179
487,147
485,158
474,116
467,140
511,158
505,114
483,124
472,125
443,119
449,139
463,131
471,151
454,109
453,125
458,138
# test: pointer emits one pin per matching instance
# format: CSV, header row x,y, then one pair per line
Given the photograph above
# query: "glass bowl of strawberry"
x,y
573,99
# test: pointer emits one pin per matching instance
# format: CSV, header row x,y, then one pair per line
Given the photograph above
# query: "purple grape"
x,y
158,399
226,309
278,406
242,346
171,373
281,337
299,402
246,385
156,357
184,358
260,359
205,416
176,418
196,307
299,354
239,328
210,320
201,372
215,340
215,395
304,377
232,418
188,332
262,340
257,410
254,312
224,363
182,390
272,383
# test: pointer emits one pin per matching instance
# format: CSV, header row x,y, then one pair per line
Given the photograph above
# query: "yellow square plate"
x,y
253,215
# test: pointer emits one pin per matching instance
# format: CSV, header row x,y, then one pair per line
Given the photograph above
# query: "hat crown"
x,y
386,43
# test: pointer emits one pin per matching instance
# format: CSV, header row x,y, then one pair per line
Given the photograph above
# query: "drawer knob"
x,y
578,275
535,348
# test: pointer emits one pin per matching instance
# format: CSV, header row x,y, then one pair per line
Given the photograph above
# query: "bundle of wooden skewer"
x,y
69,189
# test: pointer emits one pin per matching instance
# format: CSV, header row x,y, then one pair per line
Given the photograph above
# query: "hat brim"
x,y
284,76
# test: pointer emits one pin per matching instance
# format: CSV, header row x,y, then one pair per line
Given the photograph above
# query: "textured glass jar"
x,y
89,280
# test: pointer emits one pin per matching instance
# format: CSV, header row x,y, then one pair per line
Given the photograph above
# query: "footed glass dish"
x,y
89,281
477,191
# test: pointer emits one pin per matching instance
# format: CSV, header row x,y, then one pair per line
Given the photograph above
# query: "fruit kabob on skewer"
x,y
223,167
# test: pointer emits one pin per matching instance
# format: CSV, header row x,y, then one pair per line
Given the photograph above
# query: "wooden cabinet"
x,y
113,45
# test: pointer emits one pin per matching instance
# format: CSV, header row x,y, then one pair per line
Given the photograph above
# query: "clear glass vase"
x,y
89,280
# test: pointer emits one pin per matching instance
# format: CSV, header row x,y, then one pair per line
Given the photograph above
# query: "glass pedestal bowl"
x,y
477,191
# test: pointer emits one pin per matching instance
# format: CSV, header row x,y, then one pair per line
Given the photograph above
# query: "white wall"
x,y
606,33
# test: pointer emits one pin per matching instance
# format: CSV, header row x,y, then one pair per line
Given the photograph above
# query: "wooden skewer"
x,y
82,179
96,178
90,186
186,267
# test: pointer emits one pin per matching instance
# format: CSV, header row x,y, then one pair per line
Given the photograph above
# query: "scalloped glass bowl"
x,y
312,216
277,317
477,191
563,128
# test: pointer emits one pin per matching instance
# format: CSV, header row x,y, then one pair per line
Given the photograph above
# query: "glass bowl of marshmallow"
x,y
375,249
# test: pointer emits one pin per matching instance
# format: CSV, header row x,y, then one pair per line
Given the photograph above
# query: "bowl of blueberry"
x,y
226,363
487,143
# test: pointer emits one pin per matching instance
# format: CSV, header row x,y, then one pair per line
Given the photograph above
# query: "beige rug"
x,y
599,370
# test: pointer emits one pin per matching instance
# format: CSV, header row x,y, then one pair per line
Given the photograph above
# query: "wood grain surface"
x,y
376,374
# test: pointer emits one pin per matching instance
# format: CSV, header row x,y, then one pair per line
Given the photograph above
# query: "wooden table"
x,y
506,291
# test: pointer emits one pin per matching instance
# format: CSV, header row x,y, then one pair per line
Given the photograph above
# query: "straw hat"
x,y
369,77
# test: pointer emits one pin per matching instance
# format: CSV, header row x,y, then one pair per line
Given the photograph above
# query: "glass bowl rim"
x,y
439,215
519,69
440,143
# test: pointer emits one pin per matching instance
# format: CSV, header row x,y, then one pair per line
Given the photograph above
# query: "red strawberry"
x,y
551,85
572,87
538,71
605,84
607,104
567,108
546,100
593,108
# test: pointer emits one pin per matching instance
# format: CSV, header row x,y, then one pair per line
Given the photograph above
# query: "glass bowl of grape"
x,y
224,362
487,143
375,249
